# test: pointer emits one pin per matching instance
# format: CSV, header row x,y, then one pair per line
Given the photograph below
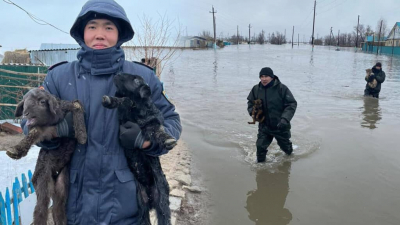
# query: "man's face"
x,y
100,34
378,67
265,79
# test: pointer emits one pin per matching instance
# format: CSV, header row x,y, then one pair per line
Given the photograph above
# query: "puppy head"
x,y
368,71
39,107
258,102
132,86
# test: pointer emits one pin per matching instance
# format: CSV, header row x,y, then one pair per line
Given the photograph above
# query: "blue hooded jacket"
x,y
102,188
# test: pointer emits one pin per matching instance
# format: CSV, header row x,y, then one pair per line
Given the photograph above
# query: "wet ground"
x,y
346,163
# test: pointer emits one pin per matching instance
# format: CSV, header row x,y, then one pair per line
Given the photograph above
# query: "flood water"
x,y
346,163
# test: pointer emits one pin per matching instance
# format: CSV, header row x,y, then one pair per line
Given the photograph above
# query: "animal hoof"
x,y
106,101
170,144
77,105
12,154
82,138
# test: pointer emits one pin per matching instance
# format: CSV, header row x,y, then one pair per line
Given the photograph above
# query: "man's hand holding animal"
x,y
130,136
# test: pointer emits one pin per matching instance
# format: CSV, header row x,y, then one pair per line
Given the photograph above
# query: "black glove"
x,y
130,136
65,128
371,78
283,124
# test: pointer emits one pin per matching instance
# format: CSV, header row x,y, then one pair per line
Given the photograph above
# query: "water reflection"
x,y
215,67
266,204
312,59
372,113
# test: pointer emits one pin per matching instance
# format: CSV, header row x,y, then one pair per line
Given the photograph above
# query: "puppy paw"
x,y
170,143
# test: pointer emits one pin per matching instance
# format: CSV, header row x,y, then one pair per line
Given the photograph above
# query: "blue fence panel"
x,y
16,201
2,210
25,186
30,182
5,204
17,190
8,207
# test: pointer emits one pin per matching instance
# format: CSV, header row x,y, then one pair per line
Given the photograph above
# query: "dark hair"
x,y
378,64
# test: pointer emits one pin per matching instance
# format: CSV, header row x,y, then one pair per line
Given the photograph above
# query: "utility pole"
x,y
215,40
338,39
249,33
312,41
358,23
379,38
237,35
298,39
292,36
330,38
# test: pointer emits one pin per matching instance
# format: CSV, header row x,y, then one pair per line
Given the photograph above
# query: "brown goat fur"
x,y
257,113
51,177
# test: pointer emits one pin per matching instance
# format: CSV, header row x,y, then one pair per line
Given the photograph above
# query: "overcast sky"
x,y
17,30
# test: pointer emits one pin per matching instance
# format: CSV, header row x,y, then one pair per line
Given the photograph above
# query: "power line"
x,y
341,3
33,17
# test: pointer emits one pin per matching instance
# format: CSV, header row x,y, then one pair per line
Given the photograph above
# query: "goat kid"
x,y
51,177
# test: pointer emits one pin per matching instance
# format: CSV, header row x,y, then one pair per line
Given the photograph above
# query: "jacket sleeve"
x,y
50,86
172,122
290,105
380,77
250,101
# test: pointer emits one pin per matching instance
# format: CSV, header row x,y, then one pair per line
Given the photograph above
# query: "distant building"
x,y
394,36
193,42
50,54
385,45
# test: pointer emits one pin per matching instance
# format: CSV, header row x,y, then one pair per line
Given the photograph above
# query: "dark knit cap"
x,y
378,64
267,72
93,15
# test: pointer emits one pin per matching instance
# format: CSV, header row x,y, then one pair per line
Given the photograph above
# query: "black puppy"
x,y
133,100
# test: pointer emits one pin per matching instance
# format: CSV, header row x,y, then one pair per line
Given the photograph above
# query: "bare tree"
x,y
368,31
277,39
381,26
155,42
361,32
206,34
261,38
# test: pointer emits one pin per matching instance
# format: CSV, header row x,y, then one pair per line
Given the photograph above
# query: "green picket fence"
x,y
15,81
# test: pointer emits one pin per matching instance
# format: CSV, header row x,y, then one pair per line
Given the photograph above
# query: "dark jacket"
x,y
380,77
102,188
278,102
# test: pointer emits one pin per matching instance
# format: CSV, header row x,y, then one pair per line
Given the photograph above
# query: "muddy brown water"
x,y
346,163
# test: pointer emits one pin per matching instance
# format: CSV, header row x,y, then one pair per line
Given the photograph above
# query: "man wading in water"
x,y
379,76
279,107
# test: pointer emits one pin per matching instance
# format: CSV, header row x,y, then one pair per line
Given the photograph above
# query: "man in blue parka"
x,y
102,187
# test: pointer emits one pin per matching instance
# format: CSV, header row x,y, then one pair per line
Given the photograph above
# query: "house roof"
x,y
193,37
396,36
52,46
